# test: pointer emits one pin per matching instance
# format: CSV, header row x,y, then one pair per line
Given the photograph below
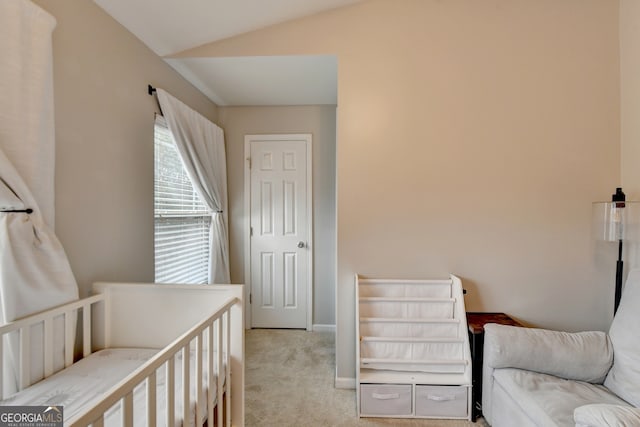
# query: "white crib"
x,y
171,355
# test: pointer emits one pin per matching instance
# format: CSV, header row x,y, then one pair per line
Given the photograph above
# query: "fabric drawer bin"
x,y
441,401
384,399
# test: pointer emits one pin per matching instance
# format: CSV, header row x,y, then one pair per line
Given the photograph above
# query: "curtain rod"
x,y
28,211
151,90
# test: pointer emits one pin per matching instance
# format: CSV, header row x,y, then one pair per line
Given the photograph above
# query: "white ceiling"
x,y
170,26
261,80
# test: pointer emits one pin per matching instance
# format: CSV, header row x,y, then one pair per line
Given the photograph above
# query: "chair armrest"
x,y
603,415
582,356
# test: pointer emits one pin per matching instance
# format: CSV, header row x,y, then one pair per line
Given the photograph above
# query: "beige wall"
x,y
472,139
630,96
104,142
629,122
320,121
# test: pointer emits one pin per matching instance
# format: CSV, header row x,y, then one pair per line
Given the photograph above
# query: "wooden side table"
x,y
476,322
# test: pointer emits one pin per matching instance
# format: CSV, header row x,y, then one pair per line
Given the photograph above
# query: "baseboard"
x,y
342,382
324,328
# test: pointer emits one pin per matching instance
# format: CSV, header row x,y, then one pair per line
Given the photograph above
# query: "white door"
x,y
280,230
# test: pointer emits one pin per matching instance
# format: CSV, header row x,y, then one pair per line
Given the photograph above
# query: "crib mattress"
x,y
85,382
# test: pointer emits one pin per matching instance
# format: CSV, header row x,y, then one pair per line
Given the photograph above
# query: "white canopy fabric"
x,y
201,146
34,271
27,133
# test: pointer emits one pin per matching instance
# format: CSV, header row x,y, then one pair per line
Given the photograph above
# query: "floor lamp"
x,y
614,219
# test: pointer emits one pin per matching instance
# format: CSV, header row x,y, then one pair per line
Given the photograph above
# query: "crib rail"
x,y
214,330
16,340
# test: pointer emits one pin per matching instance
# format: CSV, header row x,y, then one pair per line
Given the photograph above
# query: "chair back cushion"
x,y
624,377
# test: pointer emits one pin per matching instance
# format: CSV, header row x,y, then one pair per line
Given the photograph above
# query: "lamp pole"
x,y
618,200
619,267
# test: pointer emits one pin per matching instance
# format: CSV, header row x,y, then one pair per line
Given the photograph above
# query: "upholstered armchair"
x,y
537,377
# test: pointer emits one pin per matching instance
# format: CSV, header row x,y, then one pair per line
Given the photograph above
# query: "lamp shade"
x,y
617,221
614,221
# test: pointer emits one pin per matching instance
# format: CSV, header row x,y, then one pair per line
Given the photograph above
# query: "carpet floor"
x,y
289,381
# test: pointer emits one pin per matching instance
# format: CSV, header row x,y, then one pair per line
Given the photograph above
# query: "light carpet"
x,y
289,381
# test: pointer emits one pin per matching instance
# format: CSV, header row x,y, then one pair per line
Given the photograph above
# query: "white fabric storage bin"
x,y
385,350
385,399
406,309
408,329
453,350
430,367
409,351
430,290
441,401
432,309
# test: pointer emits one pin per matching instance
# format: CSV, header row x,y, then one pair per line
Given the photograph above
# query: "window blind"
x,y
181,219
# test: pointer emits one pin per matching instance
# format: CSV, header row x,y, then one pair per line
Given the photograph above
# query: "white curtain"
x,y
34,270
26,97
201,147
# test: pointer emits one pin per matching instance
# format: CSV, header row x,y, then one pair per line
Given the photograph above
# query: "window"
x,y
181,218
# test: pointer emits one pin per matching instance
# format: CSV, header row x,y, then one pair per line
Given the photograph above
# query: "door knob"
x,y
301,244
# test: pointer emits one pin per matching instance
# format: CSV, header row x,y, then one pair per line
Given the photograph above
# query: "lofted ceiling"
x,y
169,26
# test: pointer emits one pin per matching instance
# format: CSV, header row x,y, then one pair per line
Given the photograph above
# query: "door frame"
x,y
305,138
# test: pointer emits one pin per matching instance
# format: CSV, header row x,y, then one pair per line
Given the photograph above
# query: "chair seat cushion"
x,y
603,415
549,400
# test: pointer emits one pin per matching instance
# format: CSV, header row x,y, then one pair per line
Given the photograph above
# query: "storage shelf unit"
x,y
413,358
